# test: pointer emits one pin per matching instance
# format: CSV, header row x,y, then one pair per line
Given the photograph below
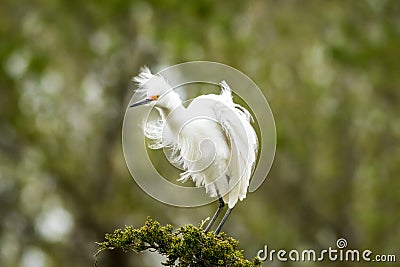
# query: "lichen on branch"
x,y
187,246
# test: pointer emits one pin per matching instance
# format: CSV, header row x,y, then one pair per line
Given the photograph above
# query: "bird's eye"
x,y
154,97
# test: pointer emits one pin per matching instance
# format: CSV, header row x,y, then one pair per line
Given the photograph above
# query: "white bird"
x,y
212,139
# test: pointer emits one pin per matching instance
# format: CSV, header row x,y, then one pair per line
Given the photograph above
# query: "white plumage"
x,y
212,139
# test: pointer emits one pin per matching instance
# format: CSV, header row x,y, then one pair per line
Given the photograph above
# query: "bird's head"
x,y
157,90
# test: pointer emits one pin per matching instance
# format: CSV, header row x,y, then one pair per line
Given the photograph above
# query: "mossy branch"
x,y
187,246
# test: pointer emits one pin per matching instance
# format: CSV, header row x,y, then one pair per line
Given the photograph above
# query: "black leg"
x,y
223,221
220,207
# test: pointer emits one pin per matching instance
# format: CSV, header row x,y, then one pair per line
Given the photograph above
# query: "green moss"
x,y
187,246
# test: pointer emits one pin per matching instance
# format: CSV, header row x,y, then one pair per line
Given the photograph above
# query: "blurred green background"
x,y
329,69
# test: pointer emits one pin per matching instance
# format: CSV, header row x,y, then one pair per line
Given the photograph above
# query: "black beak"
x,y
141,102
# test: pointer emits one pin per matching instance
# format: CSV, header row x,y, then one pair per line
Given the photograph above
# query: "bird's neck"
x,y
175,117
171,111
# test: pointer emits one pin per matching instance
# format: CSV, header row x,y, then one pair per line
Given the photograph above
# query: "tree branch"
x,y
187,246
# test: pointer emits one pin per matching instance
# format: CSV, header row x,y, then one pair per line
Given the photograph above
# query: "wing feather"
x,y
235,121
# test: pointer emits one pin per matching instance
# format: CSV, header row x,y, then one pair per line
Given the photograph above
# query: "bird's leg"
x,y
223,221
220,207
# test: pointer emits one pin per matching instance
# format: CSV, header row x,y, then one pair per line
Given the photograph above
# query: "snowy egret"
x,y
212,139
